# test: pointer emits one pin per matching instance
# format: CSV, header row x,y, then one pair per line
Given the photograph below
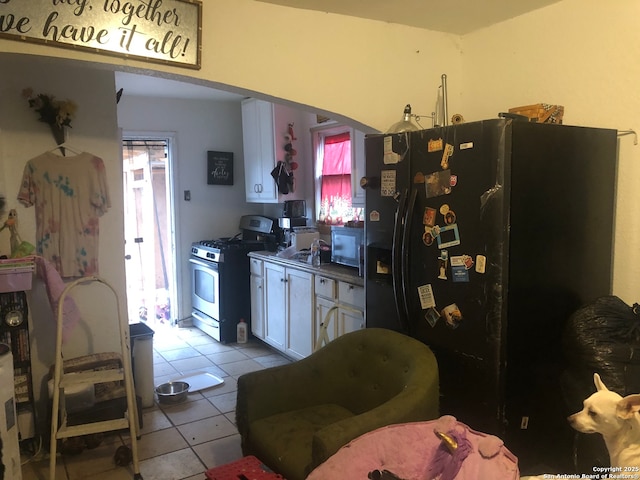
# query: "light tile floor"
x,y
178,442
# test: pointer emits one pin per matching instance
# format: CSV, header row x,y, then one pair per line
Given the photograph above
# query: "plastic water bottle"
x,y
315,253
242,331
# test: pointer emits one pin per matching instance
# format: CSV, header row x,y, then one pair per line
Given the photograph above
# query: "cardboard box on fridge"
x,y
541,112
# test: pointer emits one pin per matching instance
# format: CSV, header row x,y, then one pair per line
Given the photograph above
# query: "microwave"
x,y
346,243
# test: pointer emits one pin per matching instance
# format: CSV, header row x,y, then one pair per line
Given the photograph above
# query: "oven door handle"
x,y
204,264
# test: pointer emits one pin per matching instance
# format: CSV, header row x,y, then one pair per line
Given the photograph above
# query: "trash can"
x,y
142,361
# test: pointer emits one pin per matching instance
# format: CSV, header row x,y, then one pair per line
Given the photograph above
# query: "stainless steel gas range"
x,y
220,278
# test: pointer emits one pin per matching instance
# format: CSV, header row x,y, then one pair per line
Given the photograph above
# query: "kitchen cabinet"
x,y
259,150
264,126
288,301
257,298
299,313
274,305
347,302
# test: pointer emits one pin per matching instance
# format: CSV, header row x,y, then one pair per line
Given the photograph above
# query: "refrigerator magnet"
x,y
418,178
374,216
450,217
427,237
459,274
448,151
438,183
481,262
429,217
442,265
449,236
452,315
454,180
389,157
432,316
387,183
466,145
425,293
434,145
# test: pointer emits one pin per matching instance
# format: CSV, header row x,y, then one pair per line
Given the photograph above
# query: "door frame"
x,y
175,291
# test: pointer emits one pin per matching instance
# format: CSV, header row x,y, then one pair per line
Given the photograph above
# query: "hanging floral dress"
x,y
70,194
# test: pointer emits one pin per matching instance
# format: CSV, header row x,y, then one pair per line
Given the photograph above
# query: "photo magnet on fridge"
x,y
432,316
438,183
449,236
429,217
452,315
427,237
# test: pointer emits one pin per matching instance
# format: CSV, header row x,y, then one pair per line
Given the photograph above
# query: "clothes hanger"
x,y
65,146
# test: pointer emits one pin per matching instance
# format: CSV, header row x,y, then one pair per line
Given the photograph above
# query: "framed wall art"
x,y
219,168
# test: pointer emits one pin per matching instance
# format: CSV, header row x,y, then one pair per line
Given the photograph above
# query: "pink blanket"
x,y
413,451
55,286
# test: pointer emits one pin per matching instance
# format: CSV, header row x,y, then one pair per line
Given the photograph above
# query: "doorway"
x,y
149,228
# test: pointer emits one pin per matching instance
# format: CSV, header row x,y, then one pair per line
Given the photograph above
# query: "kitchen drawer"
x,y
325,287
255,267
351,294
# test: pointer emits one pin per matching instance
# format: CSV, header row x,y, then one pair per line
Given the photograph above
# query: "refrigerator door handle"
x,y
396,261
404,265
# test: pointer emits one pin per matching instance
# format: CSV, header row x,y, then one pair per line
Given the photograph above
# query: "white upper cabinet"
x,y
259,151
265,127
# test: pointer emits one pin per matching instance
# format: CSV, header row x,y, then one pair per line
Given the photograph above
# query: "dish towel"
x,y
55,286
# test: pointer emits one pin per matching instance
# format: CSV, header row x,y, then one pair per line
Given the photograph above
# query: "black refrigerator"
x,y
481,240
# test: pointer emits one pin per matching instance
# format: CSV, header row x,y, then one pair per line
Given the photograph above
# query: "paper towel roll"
x,y
143,369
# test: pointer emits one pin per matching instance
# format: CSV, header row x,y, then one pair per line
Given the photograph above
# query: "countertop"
x,y
331,270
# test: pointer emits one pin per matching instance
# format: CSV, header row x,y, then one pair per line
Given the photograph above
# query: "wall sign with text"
x,y
219,168
161,31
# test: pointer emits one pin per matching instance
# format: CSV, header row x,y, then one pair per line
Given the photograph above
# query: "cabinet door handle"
x,y
322,280
350,287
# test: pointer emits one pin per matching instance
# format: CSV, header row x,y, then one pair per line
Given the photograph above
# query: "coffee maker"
x,y
293,216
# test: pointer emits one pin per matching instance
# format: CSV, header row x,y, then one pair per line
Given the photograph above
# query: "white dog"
x,y
617,420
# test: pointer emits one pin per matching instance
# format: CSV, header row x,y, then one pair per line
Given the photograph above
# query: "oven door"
x,y
205,282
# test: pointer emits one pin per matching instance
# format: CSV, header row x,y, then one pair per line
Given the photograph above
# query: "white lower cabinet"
x,y
299,313
257,298
339,304
288,306
288,309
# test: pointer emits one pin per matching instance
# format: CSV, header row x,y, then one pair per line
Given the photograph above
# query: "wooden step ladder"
x,y
59,427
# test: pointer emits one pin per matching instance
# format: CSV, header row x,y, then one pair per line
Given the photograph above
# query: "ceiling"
x,y
451,16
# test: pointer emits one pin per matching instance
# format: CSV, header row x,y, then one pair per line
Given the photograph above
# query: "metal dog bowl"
x,y
172,392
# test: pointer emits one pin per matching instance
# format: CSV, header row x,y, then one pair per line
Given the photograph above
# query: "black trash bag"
x,y
283,178
602,337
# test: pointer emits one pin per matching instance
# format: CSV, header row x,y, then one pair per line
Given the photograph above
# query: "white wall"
x,y
582,54
363,70
23,137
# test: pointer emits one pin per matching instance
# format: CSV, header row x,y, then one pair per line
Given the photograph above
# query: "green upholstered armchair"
x,y
293,417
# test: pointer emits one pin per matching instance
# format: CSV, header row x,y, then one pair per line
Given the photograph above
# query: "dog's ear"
x,y
628,406
599,384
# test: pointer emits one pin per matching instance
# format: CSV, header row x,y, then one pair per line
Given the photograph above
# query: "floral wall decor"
x,y
55,113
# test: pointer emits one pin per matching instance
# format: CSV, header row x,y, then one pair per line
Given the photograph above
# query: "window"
x,y
333,162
